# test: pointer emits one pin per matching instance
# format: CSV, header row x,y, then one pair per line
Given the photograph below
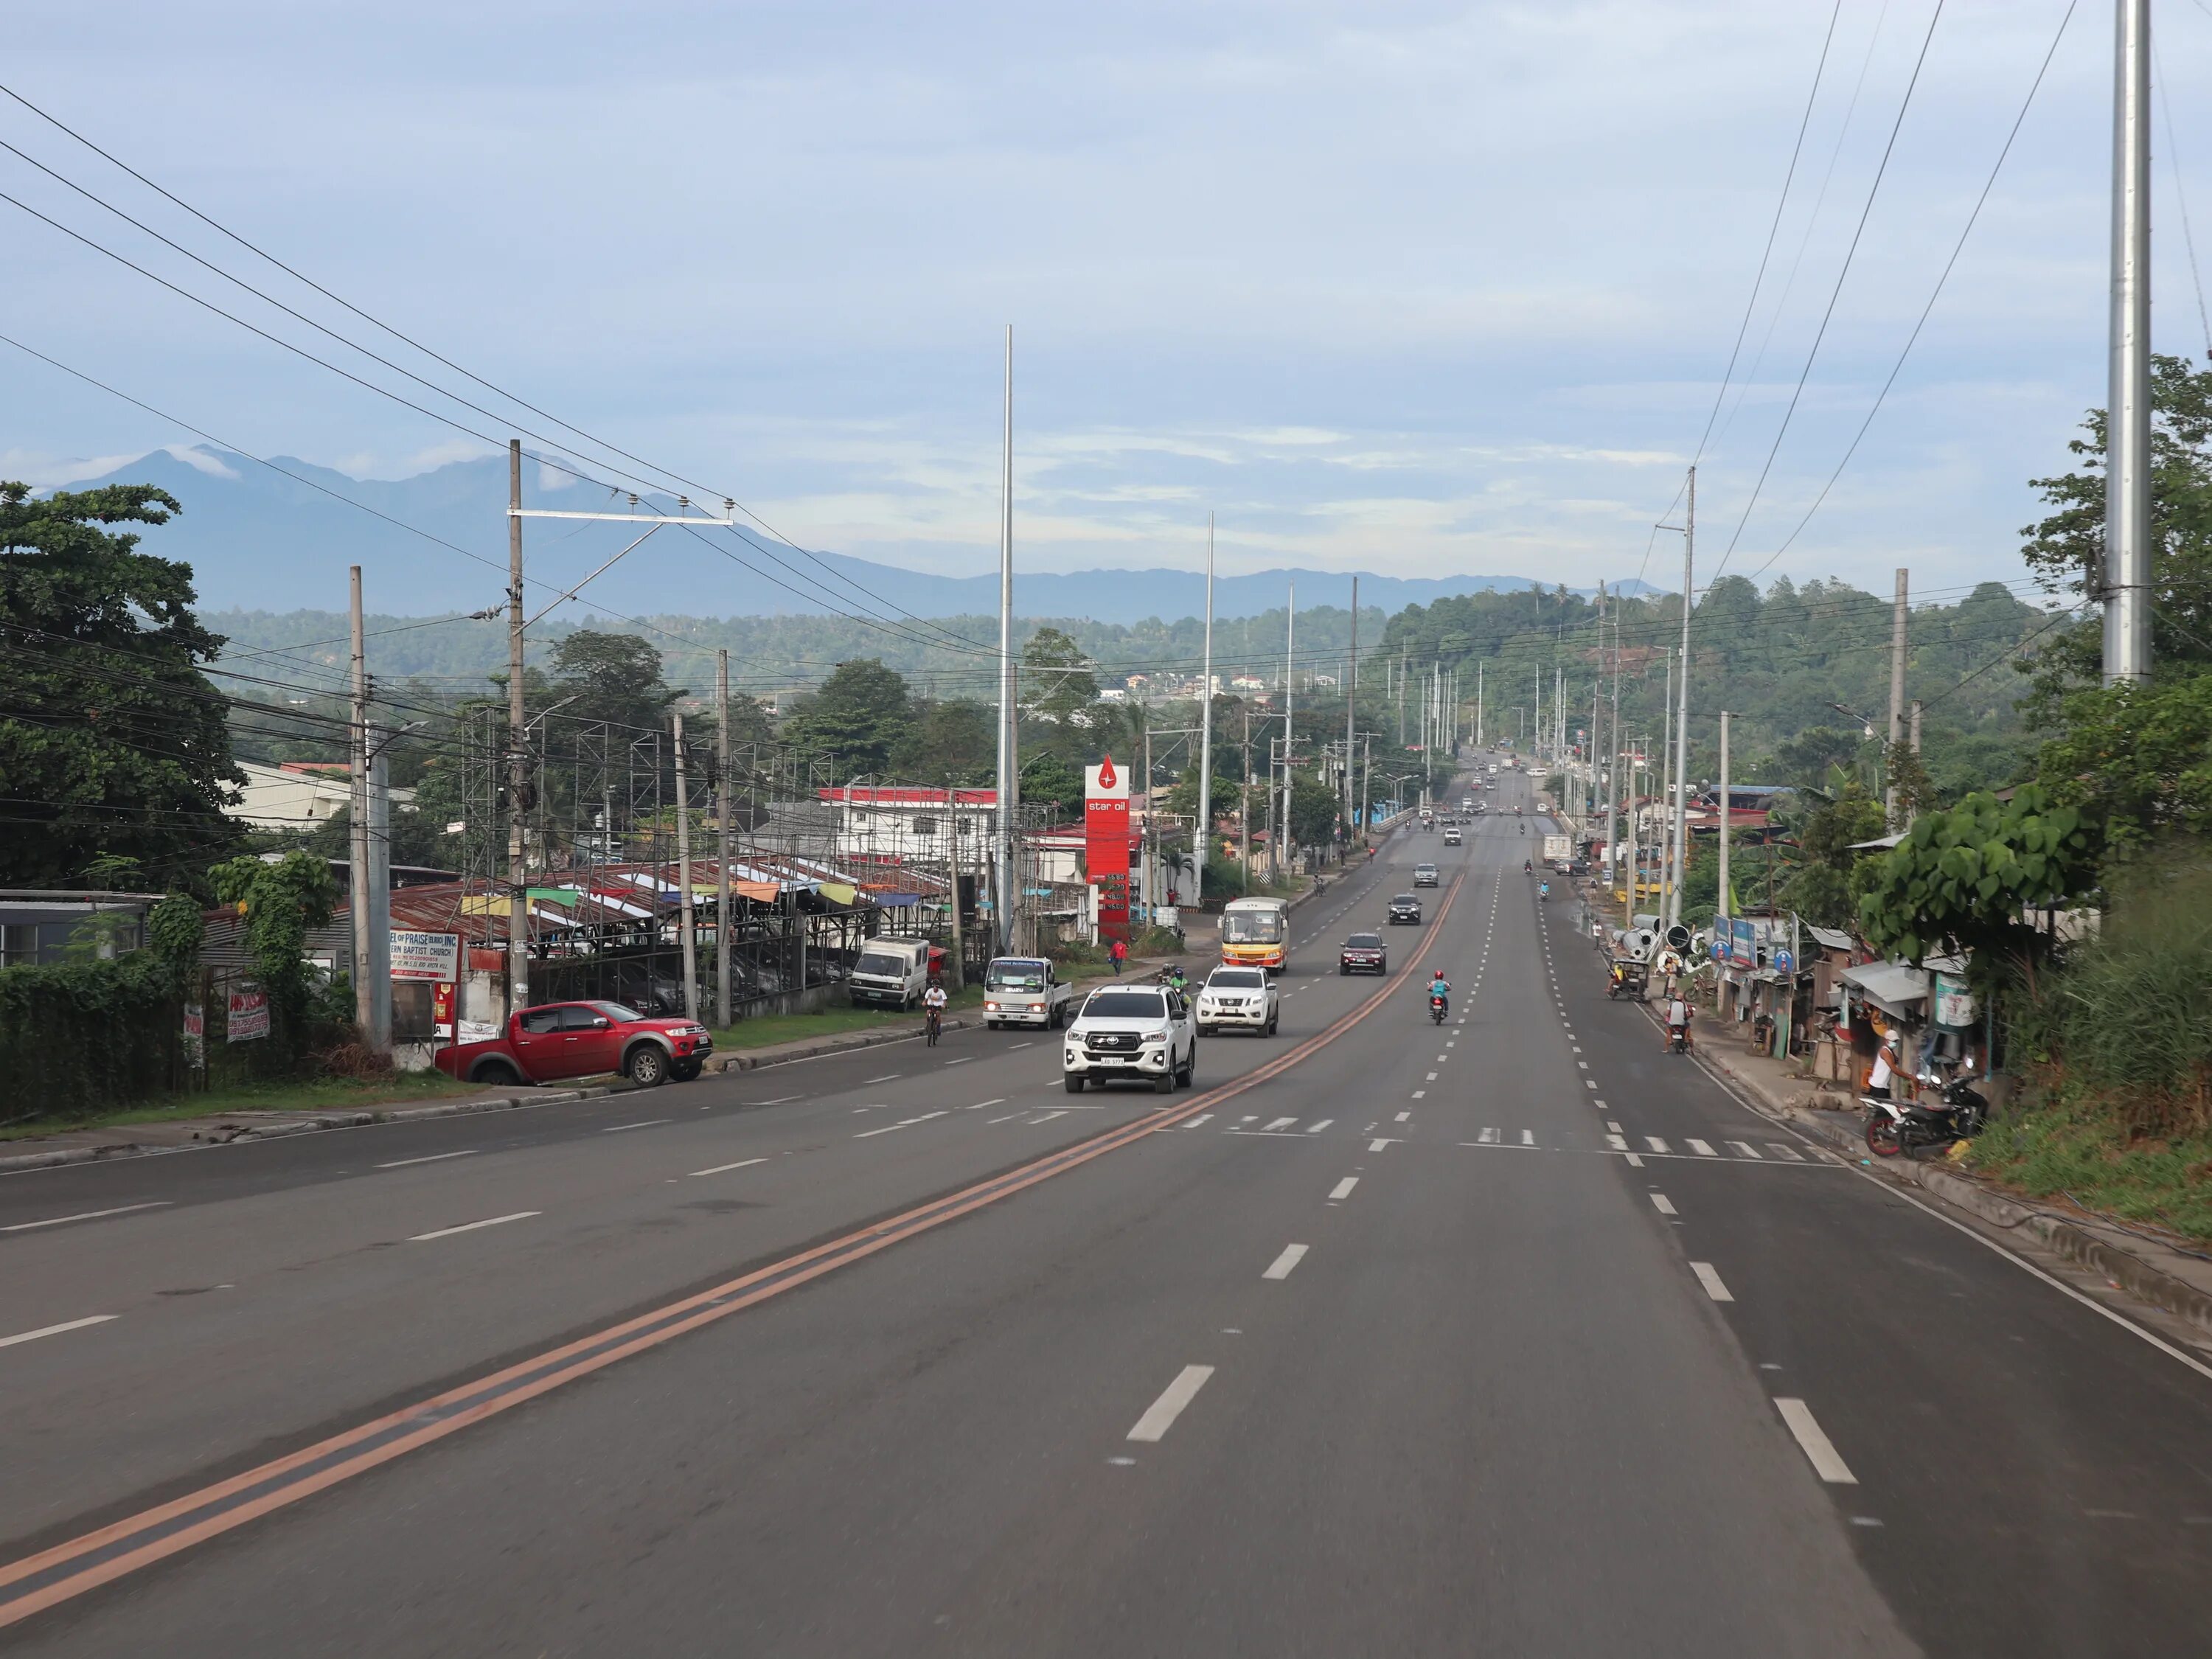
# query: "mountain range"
x,y
272,540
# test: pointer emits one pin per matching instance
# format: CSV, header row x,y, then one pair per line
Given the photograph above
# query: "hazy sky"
x,y
1417,287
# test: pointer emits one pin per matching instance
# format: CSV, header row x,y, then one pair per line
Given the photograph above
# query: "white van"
x,y
892,973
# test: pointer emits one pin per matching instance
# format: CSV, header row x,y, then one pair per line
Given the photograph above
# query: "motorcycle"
x,y
1438,1006
1678,1039
1957,1111
1543,892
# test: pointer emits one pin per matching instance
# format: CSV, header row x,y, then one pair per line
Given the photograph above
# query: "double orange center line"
x,y
68,1570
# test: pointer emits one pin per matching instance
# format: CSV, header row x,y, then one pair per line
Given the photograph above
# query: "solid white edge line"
x,y
1818,1449
724,1169
435,1157
472,1226
617,1129
1281,1265
86,1215
1711,1281
1343,1188
1989,1244
55,1330
1160,1417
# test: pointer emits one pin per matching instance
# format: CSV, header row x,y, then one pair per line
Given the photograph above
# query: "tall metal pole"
x,y
1478,703
1351,718
1725,907
1202,832
722,842
1897,624
1290,734
1009,779
2128,545
1682,715
1666,770
357,817
1613,768
686,912
518,760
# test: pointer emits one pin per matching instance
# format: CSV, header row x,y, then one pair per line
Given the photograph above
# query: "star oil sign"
x,y
1106,845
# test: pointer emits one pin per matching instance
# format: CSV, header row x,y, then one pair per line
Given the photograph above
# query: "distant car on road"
x,y
1238,999
1364,953
1144,1033
558,1040
1424,875
1453,838
1405,907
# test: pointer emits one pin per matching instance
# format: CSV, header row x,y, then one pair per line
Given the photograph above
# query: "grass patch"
x,y
322,1094
830,1021
2064,1149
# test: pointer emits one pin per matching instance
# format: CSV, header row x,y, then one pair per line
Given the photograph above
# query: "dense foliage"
x,y
111,741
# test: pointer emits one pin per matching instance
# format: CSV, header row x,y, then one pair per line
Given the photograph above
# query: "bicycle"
x,y
933,1020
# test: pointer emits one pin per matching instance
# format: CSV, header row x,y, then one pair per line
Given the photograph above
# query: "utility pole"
x,y
1201,831
2128,544
684,877
1666,768
1682,715
1244,806
358,883
1402,700
1725,908
1896,694
1351,684
1367,779
518,757
1478,703
1613,768
1152,841
1290,734
1008,882
953,865
722,844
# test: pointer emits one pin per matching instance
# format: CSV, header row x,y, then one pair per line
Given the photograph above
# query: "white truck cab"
x,y
1025,991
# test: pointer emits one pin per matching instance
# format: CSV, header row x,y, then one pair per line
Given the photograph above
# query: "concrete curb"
x,y
62,1156
2140,1278
843,1043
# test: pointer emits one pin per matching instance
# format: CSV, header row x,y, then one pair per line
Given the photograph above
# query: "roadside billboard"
x,y
1106,845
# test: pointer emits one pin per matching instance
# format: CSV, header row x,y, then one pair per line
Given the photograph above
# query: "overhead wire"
x,y
1957,248
660,477
1850,253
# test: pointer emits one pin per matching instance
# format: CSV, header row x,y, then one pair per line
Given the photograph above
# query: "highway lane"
x,y
1487,1407
1299,1375
341,1272
1977,1402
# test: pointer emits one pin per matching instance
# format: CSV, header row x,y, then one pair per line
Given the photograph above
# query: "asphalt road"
x,y
1513,1337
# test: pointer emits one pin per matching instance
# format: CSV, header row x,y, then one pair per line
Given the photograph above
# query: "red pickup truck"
x,y
559,1040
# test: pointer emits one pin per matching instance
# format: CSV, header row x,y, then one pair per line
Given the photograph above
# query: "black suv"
x,y
1405,906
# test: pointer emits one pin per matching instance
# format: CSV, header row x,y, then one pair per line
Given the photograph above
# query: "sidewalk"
x,y
2164,1276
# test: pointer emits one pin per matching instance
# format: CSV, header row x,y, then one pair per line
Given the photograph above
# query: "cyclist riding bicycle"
x,y
933,1009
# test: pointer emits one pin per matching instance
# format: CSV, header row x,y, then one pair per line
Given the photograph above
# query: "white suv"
x,y
1241,999
1142,1032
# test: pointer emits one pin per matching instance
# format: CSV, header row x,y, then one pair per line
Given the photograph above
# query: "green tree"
x,y
1049,778
1826,874
111,740
860,718
1315,811
281,903
957,739
1968,878
615,677
1058,681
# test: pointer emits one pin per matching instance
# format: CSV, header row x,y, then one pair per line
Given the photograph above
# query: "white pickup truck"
x,y
1025,991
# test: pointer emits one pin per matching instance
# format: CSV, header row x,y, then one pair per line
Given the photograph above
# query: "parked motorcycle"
x,y
1955,1111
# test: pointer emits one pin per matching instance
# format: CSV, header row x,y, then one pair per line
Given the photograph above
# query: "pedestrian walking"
x,y
1118,953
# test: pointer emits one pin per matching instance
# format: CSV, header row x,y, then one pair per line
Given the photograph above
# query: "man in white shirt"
x,y
1885,1064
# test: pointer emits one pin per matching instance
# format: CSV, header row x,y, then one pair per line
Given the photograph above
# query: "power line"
x,y
1873,191
1958,247
1781,203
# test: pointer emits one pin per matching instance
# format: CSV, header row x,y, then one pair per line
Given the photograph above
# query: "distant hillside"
x,y
258,539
